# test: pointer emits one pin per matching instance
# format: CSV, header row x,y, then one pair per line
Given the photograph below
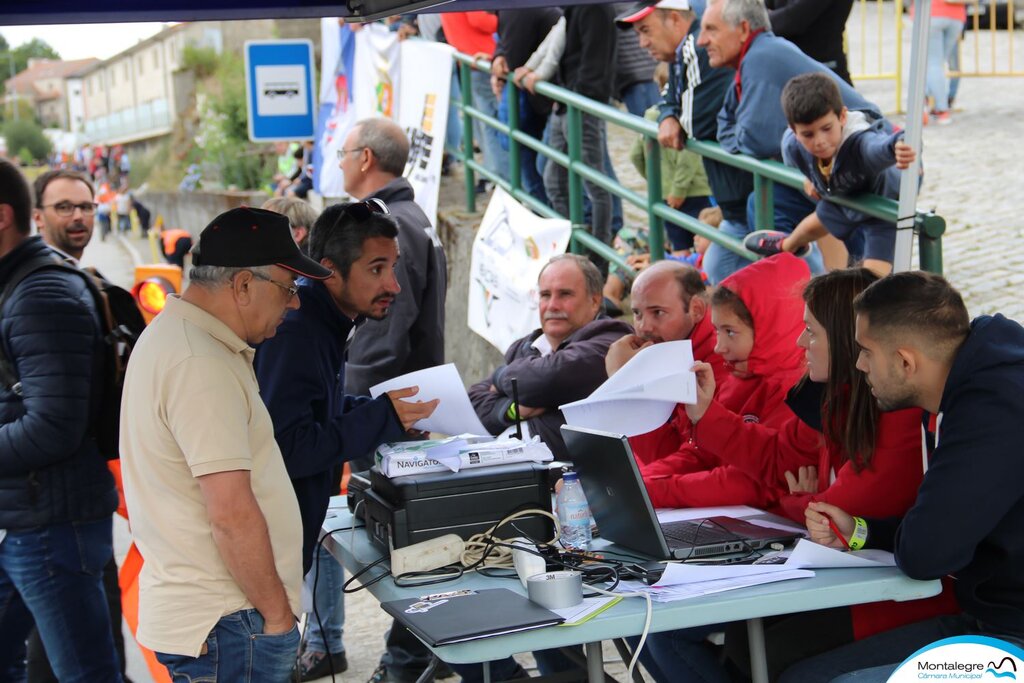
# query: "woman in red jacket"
x,y
757,316
870,461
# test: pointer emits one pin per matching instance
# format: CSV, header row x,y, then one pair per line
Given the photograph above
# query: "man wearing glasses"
x,y
411,337
65,212
302,378
56,494
212,511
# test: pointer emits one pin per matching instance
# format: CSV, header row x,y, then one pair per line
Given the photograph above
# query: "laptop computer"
x,y
619,503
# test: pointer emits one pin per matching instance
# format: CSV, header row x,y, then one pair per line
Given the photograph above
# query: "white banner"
x,y
423,114
360,79
511,247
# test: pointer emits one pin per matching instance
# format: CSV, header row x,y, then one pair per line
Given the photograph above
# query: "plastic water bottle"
x,y
573,513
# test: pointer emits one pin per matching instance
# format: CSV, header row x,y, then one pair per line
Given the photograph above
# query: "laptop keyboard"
x,y
695,533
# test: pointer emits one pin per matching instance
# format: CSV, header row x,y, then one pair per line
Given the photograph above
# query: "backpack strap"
x,y
8,373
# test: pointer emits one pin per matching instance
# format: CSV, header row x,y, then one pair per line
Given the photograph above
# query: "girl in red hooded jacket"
x,y
871,462
757,315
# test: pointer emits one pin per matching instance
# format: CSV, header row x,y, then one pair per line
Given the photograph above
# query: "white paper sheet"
x,y
677,574
642,394
454,414
810,555
666,515
695,590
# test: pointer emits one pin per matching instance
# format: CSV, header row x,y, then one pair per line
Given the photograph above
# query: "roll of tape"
x,y
556,590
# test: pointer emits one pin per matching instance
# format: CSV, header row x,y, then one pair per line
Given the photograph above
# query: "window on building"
x,y
113,78
126,76
156,57
139,60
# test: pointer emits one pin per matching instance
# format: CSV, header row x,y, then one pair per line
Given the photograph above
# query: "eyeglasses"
x,y
291,289
343,152
68,208
363,210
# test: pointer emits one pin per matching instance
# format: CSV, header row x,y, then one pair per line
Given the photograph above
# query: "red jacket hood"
x,y
772,291
703,339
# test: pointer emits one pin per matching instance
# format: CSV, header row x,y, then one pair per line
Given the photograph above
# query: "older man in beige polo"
x,y
213,512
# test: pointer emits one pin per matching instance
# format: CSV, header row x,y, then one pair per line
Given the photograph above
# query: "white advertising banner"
x,y
423,114
360,78
511,247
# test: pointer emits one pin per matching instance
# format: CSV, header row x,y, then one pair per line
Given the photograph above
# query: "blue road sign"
x,y
279,89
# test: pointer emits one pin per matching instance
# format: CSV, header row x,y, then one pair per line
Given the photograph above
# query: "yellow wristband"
x,y
860,533
512,413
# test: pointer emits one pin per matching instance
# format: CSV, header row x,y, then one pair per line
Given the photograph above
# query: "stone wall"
x,y
473,356
193,211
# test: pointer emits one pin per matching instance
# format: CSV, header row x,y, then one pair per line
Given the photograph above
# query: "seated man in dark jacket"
x,y
56,494
918,349
563,361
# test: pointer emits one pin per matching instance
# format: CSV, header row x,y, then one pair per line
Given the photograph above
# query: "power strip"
x,y
426,555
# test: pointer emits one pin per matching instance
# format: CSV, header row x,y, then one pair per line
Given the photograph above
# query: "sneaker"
x,y
943,118
314,665
769,243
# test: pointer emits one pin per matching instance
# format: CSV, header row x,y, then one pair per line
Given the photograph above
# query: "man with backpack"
x,y
57,496
67,229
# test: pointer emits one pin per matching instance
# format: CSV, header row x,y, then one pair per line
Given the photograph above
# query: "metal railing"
x,y
929,226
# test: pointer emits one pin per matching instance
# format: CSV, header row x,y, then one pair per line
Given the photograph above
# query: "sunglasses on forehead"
x,y
363,210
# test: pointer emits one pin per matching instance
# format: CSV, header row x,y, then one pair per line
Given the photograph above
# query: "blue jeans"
x,y
495,158
682,656
329,602
53,575
640,96
873,659
238,651
791,207
943,34
453,133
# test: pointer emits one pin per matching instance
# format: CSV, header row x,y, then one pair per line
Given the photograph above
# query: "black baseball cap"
x,y
641,9
246,237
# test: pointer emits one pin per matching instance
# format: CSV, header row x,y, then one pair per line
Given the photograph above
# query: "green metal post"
x,y
656,224
574,119
467,135
764,204
929,242
514,149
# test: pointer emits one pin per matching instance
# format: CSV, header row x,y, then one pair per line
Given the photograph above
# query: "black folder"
x,y
458,616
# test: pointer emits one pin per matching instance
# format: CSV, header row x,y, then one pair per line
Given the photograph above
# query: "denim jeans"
x,y
682,656
453,132
238,651
495,157
640,96
533,124
556,178
329,602
873,659
943,34
53,575
791,207
405,655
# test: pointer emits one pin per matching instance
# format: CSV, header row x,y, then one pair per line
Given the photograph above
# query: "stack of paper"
x,y
456,453
642,394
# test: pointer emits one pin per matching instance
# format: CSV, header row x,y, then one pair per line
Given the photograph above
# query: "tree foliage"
x,y
223,136
19,56
28,138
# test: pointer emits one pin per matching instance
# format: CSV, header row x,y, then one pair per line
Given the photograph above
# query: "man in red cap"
x,y
213,512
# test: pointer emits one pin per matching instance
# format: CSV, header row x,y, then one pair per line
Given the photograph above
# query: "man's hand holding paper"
x,y
409,412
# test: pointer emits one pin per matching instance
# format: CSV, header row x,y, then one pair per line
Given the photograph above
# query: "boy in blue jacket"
x,y
840,153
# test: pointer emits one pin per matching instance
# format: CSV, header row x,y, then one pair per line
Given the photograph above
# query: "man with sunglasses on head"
x,y
57,496
212,511
302,370
411,337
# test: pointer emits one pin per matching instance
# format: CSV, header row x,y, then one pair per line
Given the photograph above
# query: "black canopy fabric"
x,y
100,11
